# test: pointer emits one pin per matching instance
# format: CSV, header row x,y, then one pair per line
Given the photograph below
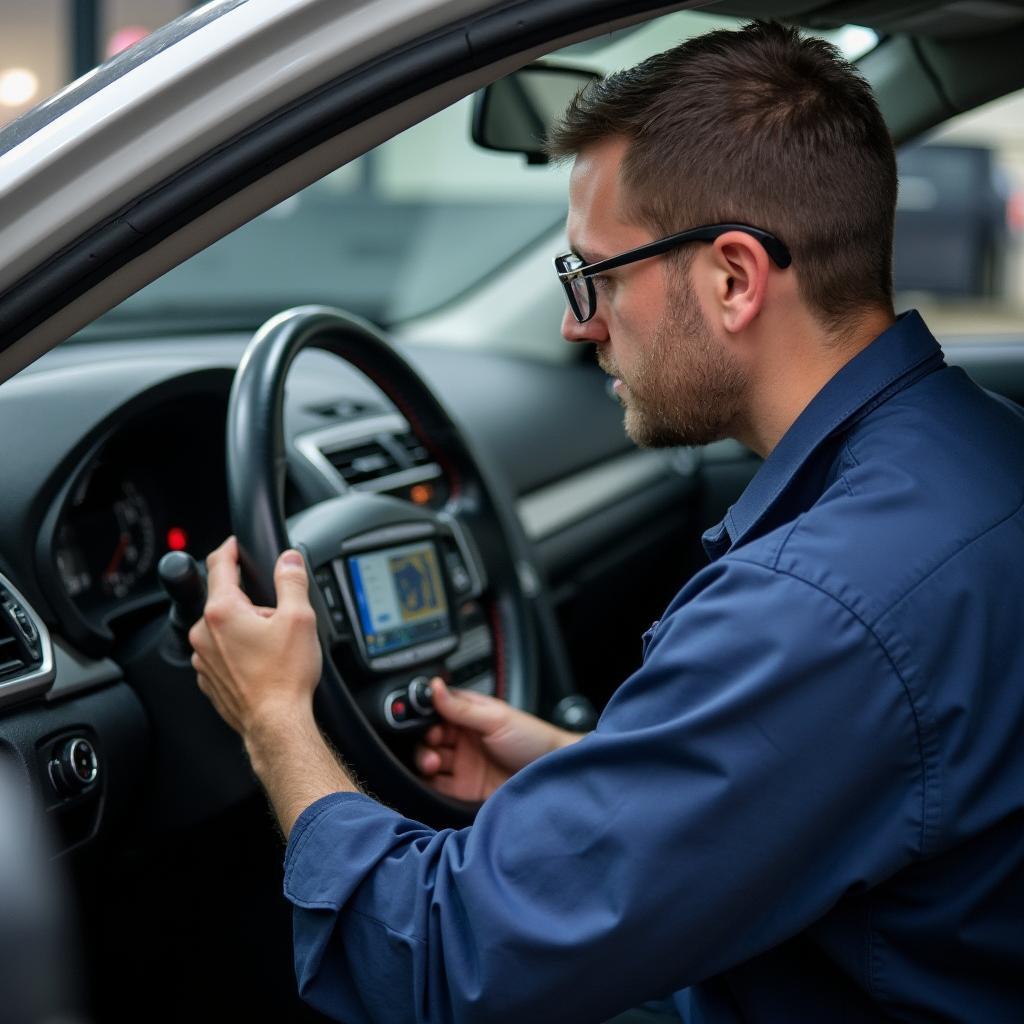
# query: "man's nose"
x,y
593,330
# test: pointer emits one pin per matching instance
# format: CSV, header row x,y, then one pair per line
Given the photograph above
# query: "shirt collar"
x,y
900,355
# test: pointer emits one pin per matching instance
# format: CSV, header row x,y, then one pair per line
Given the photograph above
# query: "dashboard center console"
x,y
404,604
398,598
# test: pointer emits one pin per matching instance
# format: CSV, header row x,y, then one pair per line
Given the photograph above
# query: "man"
x,y
808,802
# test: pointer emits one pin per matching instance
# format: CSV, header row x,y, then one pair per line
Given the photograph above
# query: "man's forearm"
x,y
295,765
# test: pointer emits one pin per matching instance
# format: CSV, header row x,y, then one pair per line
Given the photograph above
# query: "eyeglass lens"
x,y
581,292
578,287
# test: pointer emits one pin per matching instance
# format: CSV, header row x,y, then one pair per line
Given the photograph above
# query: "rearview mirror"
x,y
513,115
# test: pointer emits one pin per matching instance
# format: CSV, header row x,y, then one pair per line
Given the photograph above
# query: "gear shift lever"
x,y
185,584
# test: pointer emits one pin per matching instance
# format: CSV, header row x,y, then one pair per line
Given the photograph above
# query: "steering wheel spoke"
x,y
467,570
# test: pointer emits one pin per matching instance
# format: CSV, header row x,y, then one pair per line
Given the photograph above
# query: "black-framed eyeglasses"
x,y
577,276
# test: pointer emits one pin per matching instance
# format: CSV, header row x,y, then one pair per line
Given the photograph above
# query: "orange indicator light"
x,y
420,494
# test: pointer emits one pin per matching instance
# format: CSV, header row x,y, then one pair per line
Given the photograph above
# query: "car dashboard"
x,y
117,456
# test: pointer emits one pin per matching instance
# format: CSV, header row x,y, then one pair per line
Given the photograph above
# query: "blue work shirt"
x,y
806,805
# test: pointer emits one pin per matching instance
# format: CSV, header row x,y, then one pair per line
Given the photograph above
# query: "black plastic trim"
x,y
933,77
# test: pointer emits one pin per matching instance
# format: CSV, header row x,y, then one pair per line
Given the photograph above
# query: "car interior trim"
x,y
404,478
75,673
557,506
470,557
933,76
40,677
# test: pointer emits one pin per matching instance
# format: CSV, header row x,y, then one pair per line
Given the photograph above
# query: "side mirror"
x,y
513,114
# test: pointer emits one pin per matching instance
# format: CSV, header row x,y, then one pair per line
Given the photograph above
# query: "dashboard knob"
x,y
75,767
575,713
421,697
185,585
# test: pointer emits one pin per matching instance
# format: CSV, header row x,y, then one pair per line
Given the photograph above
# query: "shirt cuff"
x,y
316,810
334,844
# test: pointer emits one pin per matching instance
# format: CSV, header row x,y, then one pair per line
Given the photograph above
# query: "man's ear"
x,y
741,269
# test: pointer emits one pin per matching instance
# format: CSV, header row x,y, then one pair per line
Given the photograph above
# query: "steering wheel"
x,y
472,554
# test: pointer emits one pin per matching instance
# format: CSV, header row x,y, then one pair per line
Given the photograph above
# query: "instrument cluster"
x,y
154,484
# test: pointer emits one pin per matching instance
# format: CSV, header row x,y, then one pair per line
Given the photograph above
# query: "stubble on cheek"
x,y
683,388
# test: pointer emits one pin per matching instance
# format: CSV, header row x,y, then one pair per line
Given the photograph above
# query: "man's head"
x,y
758,127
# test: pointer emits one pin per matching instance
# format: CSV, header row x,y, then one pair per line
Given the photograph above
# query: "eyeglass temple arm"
x,y
775,249
778,252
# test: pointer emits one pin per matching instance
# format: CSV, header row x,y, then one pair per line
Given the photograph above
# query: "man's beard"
x,y
683,387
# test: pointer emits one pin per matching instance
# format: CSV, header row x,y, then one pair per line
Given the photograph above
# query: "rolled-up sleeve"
x,y
763,761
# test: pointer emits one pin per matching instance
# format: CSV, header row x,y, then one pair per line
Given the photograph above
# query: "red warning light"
x,y
177,540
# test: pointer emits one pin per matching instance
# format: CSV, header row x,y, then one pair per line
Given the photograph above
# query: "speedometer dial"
x,y
135,548
71,564
106,542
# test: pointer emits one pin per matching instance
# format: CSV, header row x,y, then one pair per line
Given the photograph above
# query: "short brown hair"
x,y
759,126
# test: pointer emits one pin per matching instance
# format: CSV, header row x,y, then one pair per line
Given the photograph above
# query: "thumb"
x,y
471,710
290,580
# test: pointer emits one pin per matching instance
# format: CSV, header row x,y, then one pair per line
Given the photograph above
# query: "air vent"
x,y
362,462
345,409
26,653
379,454
11,659
20,648
418,455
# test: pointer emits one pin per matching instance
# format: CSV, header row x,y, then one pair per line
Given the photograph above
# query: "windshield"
x,y
402,230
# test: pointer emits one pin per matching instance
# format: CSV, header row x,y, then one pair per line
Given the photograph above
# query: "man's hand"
x,y
482,743
257,665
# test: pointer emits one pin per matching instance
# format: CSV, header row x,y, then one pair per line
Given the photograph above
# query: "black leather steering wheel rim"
x,y
256,460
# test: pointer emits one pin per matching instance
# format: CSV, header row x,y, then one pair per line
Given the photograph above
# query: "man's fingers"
x,y
222,573
226,551
290,581
198,636
471,710
440,735
430,761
